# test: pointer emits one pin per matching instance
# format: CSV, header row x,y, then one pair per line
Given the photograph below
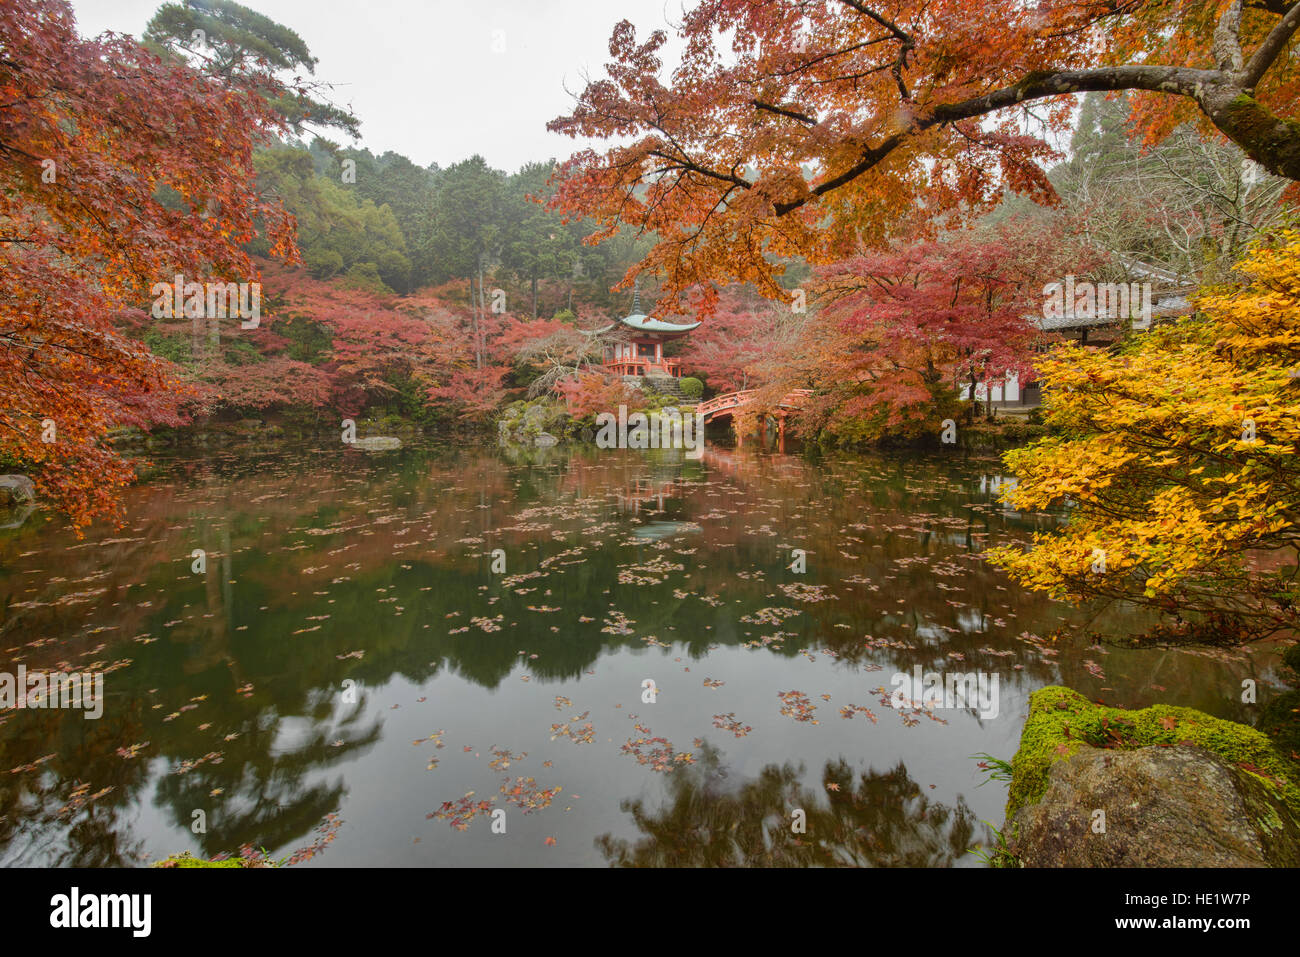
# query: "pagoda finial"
x,y
636,296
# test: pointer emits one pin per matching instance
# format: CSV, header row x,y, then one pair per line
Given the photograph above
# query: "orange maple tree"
x,y
798,128
120,170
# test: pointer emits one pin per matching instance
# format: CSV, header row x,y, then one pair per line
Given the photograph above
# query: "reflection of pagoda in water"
x,y
641,491
648,496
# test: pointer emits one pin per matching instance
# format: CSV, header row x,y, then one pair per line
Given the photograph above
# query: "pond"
x,y
348,658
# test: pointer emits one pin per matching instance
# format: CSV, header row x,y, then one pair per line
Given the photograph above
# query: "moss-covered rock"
x,y
16,489
1178,806
523,422
1061,721
1169,786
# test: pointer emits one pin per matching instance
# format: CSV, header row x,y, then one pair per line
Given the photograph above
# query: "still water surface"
x,y
355,681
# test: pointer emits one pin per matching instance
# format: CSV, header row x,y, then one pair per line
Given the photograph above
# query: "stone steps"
x,y
664,385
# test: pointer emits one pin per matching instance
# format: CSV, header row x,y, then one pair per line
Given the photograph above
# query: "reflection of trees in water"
x,y
254,795
263,800
284,531
252,510
50,808
879,820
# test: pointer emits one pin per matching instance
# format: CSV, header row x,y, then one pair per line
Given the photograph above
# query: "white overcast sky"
x,y
422,75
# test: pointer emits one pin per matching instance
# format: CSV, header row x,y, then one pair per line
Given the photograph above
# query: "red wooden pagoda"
x,y
641,353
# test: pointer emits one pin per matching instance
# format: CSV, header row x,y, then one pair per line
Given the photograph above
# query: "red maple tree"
x,y
121,170
897,331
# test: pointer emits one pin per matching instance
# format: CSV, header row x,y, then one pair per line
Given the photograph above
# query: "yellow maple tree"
x,y
1175,460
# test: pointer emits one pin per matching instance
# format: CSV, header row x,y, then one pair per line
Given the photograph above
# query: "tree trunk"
x,y
478,295
1270,140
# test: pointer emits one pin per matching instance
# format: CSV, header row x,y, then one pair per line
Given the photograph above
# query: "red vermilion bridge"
x,y
728,403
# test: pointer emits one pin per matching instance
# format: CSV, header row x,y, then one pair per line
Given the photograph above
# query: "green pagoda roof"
x,y
643,323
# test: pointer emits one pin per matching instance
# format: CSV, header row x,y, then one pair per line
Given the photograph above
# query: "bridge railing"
x,y
728,400
793,399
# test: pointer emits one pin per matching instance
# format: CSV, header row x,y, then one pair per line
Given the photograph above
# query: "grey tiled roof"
x,y
1071,322
1167,305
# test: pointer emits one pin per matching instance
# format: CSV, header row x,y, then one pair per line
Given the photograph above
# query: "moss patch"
x,y
1060,720
188,860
